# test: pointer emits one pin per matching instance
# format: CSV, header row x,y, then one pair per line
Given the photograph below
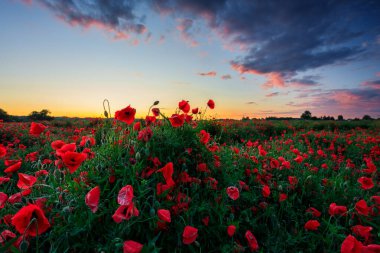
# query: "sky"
x,y
253,58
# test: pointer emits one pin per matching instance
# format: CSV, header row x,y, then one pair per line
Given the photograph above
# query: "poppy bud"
x,y
156,102
106,114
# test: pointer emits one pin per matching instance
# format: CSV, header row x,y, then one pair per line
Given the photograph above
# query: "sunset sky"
x,y
253,58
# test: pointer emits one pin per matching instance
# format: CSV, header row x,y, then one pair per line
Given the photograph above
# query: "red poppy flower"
x,y
282,197
149,120
362,231
362,208
204,137
177,120
137,126
4,180
164,215
21,220
145,135
25,181
312,225
57,144
125,213
36,129
3,199
195,110
87,139
6,236
13,168
265,191
167,172
366,183
15,198
233,192
73,160
92,199
3,151
351,245
126,115
292,180
313,211
376,199
211,104
252,242
125,195
371,248
71,147
298,159
184,106
156,112
189,235
132,247
231,229
337,210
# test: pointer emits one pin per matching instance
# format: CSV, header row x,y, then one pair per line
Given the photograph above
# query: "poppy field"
x,y
188,183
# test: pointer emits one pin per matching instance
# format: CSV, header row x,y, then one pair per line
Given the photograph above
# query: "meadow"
x,y
189,183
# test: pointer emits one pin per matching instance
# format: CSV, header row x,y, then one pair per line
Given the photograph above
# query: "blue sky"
x,y
268,59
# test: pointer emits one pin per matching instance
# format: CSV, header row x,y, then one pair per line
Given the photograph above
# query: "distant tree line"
x,y
33,116
307,116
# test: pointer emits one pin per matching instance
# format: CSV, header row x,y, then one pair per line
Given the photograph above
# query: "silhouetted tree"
x,y
340,117
42,115
306,115
5,116
367,117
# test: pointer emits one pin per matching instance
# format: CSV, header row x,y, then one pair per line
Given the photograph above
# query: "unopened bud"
x,y
156,102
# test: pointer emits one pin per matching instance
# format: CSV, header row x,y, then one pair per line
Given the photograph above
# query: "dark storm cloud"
x,y
116,16
282,38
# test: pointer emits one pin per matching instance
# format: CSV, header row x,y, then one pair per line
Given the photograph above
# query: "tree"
x,y
42,115
340,117
306,115
367,117
4,115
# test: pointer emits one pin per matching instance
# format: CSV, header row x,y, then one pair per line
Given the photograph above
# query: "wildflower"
x,y
184,106
231,229
36,129
189,235
132,247
366,183
211,104
312,225
73,160
23,220
25,181
251,239
92,199
164,215
351,245
233,192
177,120
127,115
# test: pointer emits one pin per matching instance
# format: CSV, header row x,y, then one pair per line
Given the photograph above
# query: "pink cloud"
x,y
184,26
211,73
274,79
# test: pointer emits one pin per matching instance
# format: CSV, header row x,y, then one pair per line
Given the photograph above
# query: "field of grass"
x,y
186,184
